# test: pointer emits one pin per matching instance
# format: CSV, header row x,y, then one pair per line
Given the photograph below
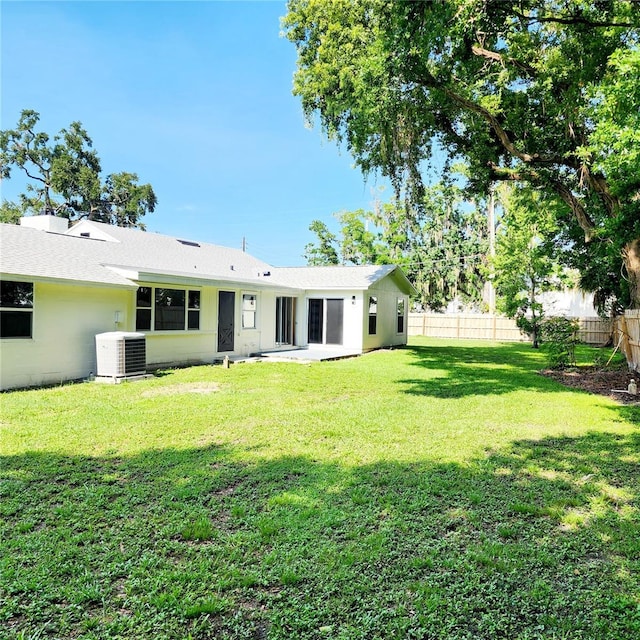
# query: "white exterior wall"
x,y
265,334
171,348
352,320
387,293
570,302
175,348
249,341
199,346
66,319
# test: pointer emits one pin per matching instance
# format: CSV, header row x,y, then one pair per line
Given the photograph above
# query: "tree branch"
x,y
429,81
35,177
578,210
29,153
494,56
574,20
599,185
561,189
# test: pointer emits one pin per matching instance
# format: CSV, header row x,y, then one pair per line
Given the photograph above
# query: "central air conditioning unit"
x,y
120,354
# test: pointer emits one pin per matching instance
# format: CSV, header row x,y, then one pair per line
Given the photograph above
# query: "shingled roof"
x,y
340,277
97,253
32,253
102,254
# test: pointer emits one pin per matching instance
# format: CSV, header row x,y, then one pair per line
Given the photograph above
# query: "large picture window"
x,y
16,309
167,309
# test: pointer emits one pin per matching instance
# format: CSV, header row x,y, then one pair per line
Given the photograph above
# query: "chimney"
x,y
53,224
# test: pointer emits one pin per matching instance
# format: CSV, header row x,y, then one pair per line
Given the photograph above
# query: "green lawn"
x,y
445,490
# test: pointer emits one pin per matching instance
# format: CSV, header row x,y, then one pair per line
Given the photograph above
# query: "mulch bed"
x,y
603,382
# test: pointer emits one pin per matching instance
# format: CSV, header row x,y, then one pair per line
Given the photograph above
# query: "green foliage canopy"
x,y
538,92
440,244
64,176
325,252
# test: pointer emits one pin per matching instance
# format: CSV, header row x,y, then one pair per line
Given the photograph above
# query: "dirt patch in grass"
x,y
604,382
187,387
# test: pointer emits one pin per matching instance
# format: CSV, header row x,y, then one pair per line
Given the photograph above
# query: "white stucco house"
x,y
193,302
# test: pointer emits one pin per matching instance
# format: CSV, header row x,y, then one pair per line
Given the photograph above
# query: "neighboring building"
x,y
194,302
568,302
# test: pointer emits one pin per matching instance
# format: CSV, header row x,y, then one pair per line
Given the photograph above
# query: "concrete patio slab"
x,y
313,354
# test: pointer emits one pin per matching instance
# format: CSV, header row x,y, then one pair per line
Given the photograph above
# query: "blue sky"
x,y
195,97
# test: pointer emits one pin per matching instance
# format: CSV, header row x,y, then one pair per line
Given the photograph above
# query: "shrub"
x,y
559,339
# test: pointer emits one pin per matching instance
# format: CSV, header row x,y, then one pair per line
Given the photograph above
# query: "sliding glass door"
x,y
285,320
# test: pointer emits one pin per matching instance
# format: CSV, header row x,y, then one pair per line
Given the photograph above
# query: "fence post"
x,y
626,347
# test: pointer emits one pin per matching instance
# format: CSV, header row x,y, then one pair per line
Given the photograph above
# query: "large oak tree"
x,y
64,177
539,92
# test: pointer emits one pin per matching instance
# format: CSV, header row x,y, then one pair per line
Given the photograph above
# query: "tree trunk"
x,y
534,337
631,257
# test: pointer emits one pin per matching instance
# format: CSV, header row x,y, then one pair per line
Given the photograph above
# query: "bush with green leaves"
x,y
559,338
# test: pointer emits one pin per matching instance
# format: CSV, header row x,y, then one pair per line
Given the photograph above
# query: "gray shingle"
x,y
331,277
31,252
118,256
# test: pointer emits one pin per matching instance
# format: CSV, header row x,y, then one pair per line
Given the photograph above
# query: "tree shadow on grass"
x,y
462,370
630,413
517,355
537,540
459,371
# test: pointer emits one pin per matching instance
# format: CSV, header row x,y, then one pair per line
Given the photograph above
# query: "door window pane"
x,y
335,316
284,320
316,313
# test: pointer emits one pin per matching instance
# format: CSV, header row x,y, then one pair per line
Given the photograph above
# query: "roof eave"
x,y
398,273
31,277
180,278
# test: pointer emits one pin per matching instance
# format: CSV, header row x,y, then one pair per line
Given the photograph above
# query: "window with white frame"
x,y
401,308
143,308
373,315
167,309
16,309
193,310
249,308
